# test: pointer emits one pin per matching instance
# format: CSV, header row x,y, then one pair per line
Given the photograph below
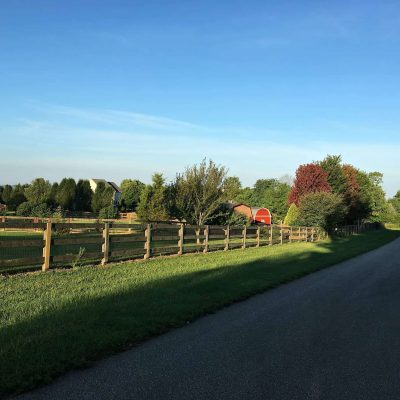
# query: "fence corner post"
x,y
206,234
227,234
47,246
147,245
106,243
181,239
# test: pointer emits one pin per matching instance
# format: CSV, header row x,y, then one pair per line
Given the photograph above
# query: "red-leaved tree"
x,y
310,178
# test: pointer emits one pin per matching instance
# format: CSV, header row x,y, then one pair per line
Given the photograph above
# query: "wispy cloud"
x,y
65,141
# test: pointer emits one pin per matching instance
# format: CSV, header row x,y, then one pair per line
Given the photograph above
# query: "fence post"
x,y
244,233
306,234
281,233
206,234
106,243
197,231
290,233
227,234
181,238
147,245
47,246
258,235
271,235
312,234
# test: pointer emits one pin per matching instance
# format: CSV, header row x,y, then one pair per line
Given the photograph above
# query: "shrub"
x,y
29,209
292,215
323,209
109,212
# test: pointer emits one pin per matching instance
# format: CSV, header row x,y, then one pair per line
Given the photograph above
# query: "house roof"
x,y
112,184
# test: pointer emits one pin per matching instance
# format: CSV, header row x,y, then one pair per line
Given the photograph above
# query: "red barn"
x,y
261,215
258,215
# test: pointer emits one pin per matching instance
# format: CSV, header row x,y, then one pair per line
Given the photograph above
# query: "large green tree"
x,y
332,165
66,192
102,197
323,209
83,195
131,191
153,201
38,192
199,192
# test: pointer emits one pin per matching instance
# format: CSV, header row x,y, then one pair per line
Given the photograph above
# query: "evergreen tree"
x,y
153,202
38,192
83,195
66,192
131,191
292,215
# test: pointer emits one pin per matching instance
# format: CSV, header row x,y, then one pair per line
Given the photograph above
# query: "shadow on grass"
x,y
34,351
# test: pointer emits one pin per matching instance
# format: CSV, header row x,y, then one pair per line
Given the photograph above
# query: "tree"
x,y
131,191
153,201
109,212
292,215
38,192
6,194
332,165
102,197
274,198
16,197
83,195
310,178
232,188
323,209
66,193
30,209
199,192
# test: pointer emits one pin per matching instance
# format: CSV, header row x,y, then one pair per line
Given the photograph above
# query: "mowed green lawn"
x,y
51,322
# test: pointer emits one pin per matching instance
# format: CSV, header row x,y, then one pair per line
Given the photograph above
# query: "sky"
x,y
121,89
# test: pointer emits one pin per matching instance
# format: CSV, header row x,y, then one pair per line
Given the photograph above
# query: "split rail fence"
x,y
63,244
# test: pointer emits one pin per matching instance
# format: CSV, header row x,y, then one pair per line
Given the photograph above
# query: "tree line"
x,y
326,193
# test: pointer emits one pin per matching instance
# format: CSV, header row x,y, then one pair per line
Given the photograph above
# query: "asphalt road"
x,y
334,334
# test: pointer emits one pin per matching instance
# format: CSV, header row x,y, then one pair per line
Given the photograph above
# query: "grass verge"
x,y
55,321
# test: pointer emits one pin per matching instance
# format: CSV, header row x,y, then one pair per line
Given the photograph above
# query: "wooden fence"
x,y
65,243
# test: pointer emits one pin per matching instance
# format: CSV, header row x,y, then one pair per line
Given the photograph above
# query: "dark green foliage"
x,y
66,194
38,192
102,197
16,197
332,165
110,212
53,193
6,193
153,201
200,192
131,191
232,188
29,209
323,209
268,193
83,196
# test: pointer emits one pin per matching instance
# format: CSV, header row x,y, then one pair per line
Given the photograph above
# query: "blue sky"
x,y
119,89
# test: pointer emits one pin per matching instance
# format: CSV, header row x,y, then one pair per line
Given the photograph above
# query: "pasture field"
x,y
63,319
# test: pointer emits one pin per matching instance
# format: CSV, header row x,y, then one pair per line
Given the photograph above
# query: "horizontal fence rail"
x,y
35,243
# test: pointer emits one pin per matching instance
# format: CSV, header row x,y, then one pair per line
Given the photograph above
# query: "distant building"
x,y
258,215
115,188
